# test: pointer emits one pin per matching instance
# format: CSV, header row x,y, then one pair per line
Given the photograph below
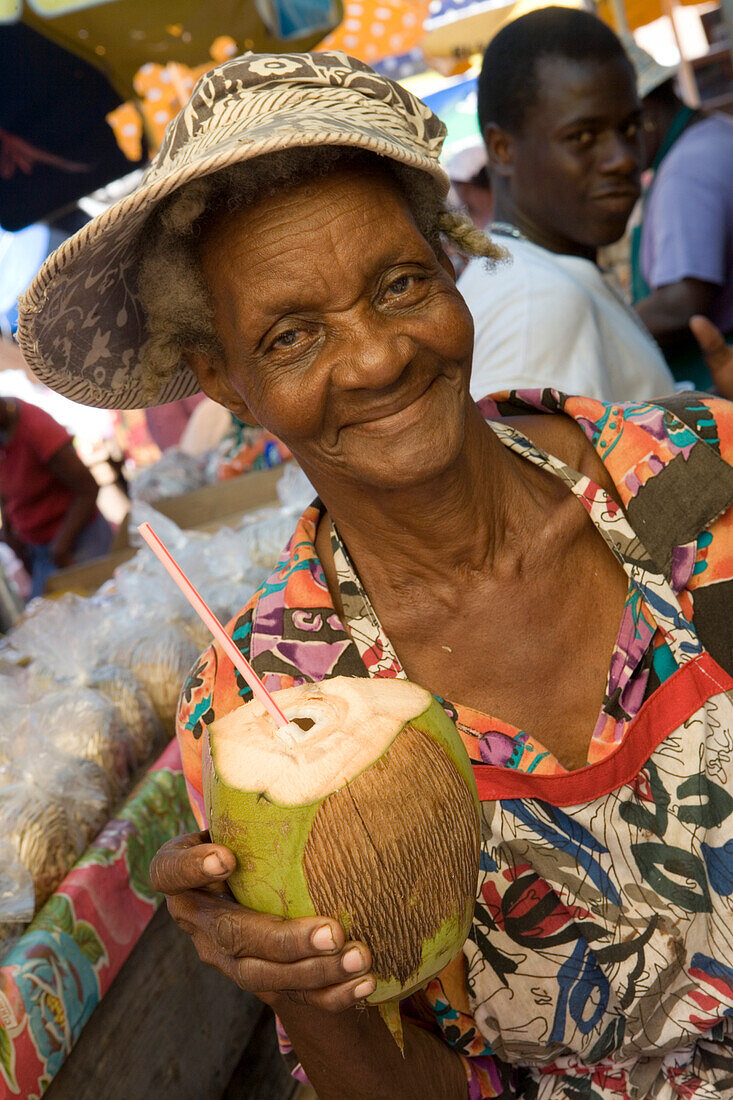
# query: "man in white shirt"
x,y
560,116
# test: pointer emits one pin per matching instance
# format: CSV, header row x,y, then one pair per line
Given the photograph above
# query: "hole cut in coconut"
x,y
303,724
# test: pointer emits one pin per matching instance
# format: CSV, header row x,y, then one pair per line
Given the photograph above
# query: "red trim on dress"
x,y
671,705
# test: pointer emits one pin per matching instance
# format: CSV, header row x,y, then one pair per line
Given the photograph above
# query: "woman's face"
x,y
342,331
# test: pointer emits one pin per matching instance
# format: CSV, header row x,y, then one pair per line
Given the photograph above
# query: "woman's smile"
x,y
399,415
374,345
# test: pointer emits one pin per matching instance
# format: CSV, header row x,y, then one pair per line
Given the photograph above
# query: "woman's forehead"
x,y
310,205
345,219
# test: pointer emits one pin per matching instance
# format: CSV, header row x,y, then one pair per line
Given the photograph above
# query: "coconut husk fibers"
x,y
396,891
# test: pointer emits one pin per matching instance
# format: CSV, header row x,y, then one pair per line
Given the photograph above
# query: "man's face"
x,y
574,171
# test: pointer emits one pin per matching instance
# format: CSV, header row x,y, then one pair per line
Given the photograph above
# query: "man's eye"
x,y
632,130
583,137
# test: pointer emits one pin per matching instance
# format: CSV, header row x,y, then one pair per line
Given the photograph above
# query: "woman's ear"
x,y
446,263
500,149
211,373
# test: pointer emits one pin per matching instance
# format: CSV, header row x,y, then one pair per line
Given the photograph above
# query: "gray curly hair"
x,y
171,287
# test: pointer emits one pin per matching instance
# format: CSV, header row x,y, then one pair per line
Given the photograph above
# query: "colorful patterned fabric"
x,y
245,448
598,964
56,974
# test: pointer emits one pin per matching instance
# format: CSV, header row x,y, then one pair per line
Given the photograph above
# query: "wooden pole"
x,y
686,75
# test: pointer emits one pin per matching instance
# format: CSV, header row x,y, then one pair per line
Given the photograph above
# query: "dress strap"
x,y
611,523
362,622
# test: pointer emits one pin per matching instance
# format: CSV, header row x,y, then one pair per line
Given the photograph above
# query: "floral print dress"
x,y
597,964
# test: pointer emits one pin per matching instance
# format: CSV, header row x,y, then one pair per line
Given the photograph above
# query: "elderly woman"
x,y
557,571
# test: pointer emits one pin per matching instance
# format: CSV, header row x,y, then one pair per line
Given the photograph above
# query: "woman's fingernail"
x,y
213,865
352,961
322,939
364,989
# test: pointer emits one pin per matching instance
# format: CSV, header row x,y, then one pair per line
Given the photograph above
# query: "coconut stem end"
x,y
390,1013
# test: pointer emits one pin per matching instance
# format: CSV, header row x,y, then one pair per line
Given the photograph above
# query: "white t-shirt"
x,y
549,320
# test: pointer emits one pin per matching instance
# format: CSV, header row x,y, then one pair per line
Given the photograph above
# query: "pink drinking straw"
x,y
208,617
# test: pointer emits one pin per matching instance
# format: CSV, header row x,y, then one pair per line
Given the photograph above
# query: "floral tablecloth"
x,y
57,973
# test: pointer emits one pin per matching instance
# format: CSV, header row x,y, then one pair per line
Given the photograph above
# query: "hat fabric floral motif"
x,y
81,325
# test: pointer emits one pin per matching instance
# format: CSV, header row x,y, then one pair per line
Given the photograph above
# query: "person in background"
x,y
682,254
560,117
467,169
47,495
167,423
207,427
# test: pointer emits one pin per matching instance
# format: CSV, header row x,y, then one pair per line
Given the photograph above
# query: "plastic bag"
x,y
17,895
173,474
83,724
126,692
67,640
294,490
51,805
160,656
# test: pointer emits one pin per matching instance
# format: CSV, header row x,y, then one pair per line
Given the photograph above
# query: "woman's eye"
x,y
401,285
286,339
632,130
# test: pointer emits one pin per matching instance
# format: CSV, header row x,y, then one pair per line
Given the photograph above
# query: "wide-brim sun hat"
x,y
81,324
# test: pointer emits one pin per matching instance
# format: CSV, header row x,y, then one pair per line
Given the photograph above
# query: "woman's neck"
x,y
480,511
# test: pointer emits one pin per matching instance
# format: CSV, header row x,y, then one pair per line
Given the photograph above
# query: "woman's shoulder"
x,y
561,436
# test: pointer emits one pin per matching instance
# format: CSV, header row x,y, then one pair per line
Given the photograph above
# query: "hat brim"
x,y
655,78
81,323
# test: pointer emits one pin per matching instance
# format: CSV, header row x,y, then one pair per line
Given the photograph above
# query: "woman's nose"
x,y
372,355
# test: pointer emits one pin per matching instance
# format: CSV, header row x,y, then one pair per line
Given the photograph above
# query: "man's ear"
x,y
211,373
500,148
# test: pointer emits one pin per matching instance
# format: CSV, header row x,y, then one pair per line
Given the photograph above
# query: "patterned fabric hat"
x,y
81,323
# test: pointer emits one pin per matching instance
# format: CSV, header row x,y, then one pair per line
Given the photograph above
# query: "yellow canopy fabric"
x,y
638,12
118,37
375,29
471,34
153,51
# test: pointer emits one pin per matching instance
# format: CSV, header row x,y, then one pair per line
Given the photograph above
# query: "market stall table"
x,y
170,1026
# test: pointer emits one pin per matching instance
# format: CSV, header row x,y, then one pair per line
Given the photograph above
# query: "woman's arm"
x,y
353,1056
8,535
312,978
67,467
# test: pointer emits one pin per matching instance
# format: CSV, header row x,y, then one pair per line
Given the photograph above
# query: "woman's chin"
x,y
402,467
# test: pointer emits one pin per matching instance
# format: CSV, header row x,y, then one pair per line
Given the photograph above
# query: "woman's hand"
x,y
305,961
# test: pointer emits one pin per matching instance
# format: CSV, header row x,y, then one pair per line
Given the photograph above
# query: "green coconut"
x,y
363,808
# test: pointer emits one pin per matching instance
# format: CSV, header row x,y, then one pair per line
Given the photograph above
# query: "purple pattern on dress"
x,y
683,563
496,748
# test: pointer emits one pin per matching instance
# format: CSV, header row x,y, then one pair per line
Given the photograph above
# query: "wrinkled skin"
x,y
343,332
307,959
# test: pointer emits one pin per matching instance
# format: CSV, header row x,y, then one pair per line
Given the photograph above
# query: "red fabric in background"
x,y
34,501
166,423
